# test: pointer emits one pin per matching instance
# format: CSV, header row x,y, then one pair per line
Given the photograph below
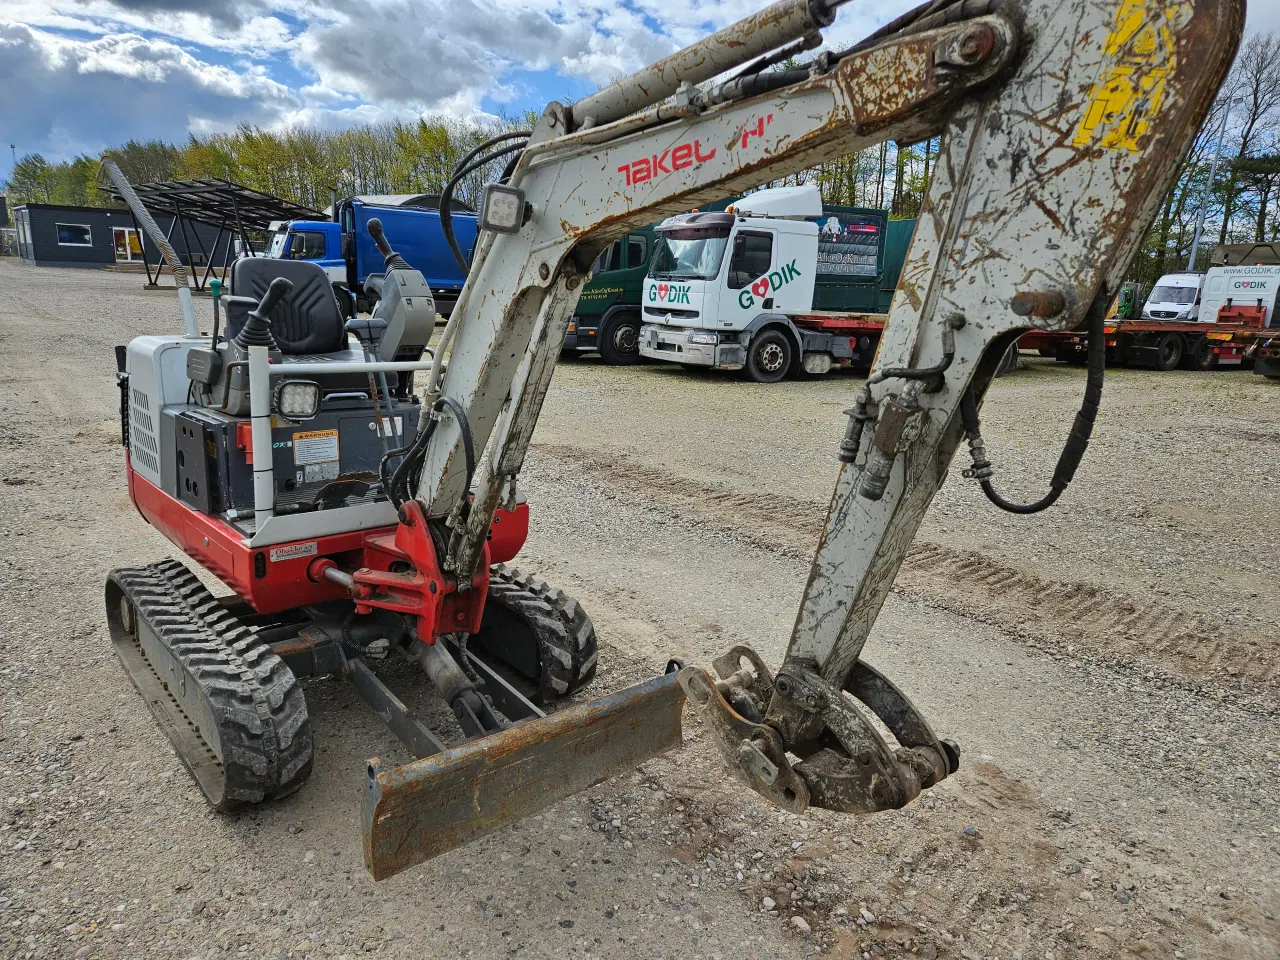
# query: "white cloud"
x,y
84,74
69,96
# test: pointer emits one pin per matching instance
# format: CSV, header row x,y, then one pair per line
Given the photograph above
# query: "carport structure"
x,y
235,211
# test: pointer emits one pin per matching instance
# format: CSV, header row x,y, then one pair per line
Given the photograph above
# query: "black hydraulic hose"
x,y
464,427
414,455
460,171
754,84
446,200
1077,441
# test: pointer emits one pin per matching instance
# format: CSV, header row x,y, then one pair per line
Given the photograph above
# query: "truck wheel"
x,y
1201,356
769,357
1169,351
619,340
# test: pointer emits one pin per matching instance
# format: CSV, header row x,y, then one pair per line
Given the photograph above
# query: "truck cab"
x,y
319,241
343,248
736,289
608,318
1176,296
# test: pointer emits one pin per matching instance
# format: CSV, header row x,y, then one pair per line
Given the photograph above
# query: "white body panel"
x,y
796,203
684,319
157,368
1243,286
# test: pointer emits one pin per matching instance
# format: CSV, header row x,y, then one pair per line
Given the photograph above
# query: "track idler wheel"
x,y
538,631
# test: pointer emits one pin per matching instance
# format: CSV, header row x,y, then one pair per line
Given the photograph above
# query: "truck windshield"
x,y
1173,295
277,243
689,254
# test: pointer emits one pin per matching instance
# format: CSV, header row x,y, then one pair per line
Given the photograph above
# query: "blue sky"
x,y
81,75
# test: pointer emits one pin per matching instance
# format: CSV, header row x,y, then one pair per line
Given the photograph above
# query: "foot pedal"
x,y
425,808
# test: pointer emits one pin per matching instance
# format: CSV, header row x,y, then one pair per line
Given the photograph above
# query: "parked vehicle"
x,y
1240,286
1213,315
1176,296
342,246
608,314
607,319
775,285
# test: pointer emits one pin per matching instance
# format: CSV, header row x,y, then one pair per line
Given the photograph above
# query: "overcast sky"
x,y
81,75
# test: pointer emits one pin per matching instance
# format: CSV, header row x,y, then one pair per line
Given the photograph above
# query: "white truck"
x,y
1242,286
1197,297
1191,320
748,288
1176,296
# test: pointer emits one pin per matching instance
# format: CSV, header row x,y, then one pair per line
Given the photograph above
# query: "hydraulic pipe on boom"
x,y
775,25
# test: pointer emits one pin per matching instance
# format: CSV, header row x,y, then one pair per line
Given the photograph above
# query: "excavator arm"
x,y
1062,123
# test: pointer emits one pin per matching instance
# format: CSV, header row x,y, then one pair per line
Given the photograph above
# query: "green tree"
x,y
32,181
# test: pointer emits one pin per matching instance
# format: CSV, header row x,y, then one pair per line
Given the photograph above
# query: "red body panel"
x,y
284,584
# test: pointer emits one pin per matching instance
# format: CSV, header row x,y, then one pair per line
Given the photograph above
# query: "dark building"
x,y
52,235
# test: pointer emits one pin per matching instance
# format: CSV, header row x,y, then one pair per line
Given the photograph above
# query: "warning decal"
x,y
1139,57
315,446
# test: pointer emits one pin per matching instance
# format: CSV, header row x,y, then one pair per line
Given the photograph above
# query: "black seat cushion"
x,y
307,321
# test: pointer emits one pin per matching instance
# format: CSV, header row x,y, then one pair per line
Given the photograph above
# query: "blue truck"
x,y
343,247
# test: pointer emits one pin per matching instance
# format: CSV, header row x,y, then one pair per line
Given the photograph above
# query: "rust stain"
x,y
1044,208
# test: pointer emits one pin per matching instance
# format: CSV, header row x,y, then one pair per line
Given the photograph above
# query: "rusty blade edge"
x,y
422,809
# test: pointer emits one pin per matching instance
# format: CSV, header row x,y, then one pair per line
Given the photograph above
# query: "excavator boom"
x,y
1062,124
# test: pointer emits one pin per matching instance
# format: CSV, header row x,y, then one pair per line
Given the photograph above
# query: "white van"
x,y
1243,286
1176,296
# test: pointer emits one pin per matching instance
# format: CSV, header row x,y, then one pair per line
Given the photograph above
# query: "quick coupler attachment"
x,y
422,809
844,763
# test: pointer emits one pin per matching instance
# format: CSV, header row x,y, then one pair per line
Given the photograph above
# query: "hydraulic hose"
x,y
413,456
465,167
1077,441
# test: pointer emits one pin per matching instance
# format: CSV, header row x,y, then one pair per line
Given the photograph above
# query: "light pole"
x,y
1213,172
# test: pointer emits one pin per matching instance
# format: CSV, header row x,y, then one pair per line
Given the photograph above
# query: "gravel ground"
x,y
1109,669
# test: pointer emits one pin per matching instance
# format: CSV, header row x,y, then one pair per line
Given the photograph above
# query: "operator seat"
x,y
308,321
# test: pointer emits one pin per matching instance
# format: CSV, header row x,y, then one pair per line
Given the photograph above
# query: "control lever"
x,y
392,259
256,331
280,288
369,330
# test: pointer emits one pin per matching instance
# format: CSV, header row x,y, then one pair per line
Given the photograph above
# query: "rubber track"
x,y
567,651
263,731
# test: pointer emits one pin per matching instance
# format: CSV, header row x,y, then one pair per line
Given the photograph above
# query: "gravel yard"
x,y
1110,669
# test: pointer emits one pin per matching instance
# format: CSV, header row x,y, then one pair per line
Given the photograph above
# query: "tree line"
x,y
301,165
306,165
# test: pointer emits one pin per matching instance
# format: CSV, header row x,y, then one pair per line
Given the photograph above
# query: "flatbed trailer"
x,y
1159,344
1262,346
849,339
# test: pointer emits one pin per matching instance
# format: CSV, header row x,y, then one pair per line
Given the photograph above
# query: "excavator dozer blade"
x,y
425,808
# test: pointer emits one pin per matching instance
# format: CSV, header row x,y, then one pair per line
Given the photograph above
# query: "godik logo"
x,y
770,281
669,293
677,158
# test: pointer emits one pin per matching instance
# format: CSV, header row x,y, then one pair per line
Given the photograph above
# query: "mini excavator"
x,y
356,487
